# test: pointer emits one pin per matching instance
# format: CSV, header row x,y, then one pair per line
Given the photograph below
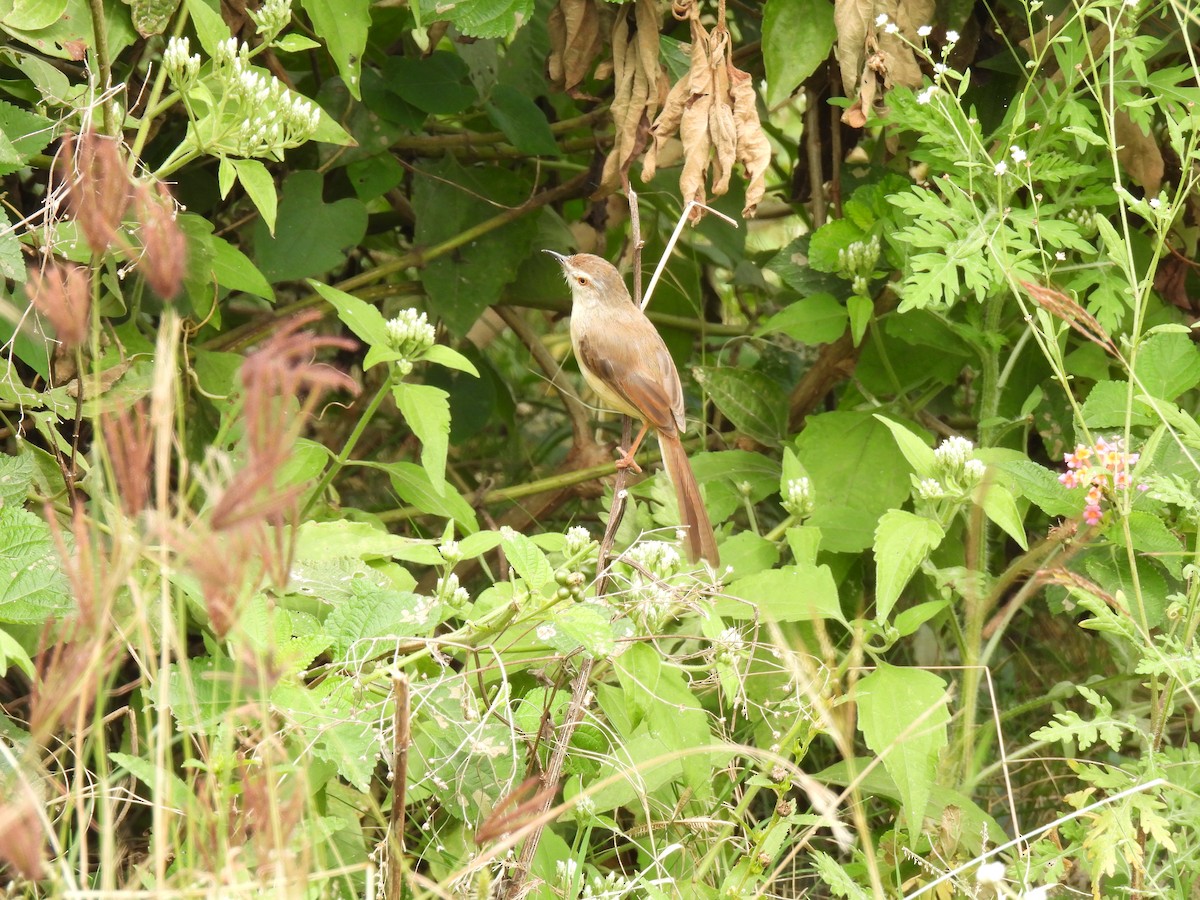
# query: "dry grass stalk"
x,y
164,258
282,386
62,293
98,185
1066,308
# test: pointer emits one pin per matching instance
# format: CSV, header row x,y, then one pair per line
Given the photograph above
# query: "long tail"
x,y
701,542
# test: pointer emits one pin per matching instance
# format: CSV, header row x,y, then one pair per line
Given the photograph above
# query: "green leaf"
x,y
335,720
365,320
311,234
902,542
1167,365
295,43
343,25
523,123
13,654
481,18
148,773
914,617
861,310
1107,403
210,27
12,262
999,506
857,475
902,713
16,476
374,619
817,319
22,134
234,271
796,593
1041,487
436,84
33,587
918,453
412,484
426,409
448,200
450,358
585,626
527,560
829,241
260,188
755,404
797,37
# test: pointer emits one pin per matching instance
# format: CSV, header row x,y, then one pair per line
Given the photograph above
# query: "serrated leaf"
x,y
798,593
582,626
16,475
373,620
482,18
902,713
1041,487
338,721
24,133
902,542
754,403
426,409
33,587
526,560
1167,365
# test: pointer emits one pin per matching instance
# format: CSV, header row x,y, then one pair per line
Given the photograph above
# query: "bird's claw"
x,y
627,461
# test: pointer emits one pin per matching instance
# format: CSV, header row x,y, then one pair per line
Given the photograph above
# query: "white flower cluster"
x,y
272,17
410,335
958,472
281,119
609,887
578,540
181,67
658,558
799,500
857,260
451,593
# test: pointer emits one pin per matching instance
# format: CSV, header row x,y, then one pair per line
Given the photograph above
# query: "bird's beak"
x,y
562,260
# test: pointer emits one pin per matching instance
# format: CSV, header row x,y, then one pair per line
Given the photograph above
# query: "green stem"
x,y
153,107
343,458
103,64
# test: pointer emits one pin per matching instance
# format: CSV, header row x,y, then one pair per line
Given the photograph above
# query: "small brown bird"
x,y
623,358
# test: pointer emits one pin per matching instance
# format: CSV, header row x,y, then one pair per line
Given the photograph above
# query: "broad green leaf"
x,y
999,506
1167,365
857,475
818,319
902,713
412,484
311,235
202,691
581,626
260,188
755,404
337,720
450,358
522,121
373,620
902,542
482,18
918,453
448,199
70,30
1041,487
343,25
796,593
33,587
233,270
797,37
436,84
179,792
747,553
16,476
343,538
426,410
361,317
295,43
829,243
1149,534
1106,406
526,560
210,27
22,134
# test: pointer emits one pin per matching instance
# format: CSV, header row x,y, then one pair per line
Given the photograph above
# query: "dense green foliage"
x,y
305,581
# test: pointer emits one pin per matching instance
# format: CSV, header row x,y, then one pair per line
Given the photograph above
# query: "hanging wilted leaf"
x,y
872,61
576,29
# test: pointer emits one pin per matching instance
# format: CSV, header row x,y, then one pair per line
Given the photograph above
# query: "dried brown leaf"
x,y
1138,154
576,40
753,148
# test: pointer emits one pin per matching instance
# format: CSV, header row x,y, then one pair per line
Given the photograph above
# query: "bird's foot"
x,y
627,461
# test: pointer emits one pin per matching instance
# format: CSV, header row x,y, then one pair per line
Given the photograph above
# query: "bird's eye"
x,y
582,279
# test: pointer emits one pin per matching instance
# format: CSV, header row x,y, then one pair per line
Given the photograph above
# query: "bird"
x,y
624,360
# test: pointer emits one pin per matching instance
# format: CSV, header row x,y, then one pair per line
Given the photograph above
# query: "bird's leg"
x,y
626,461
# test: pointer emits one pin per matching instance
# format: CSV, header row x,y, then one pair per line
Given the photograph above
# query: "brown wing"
x,y
642,381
